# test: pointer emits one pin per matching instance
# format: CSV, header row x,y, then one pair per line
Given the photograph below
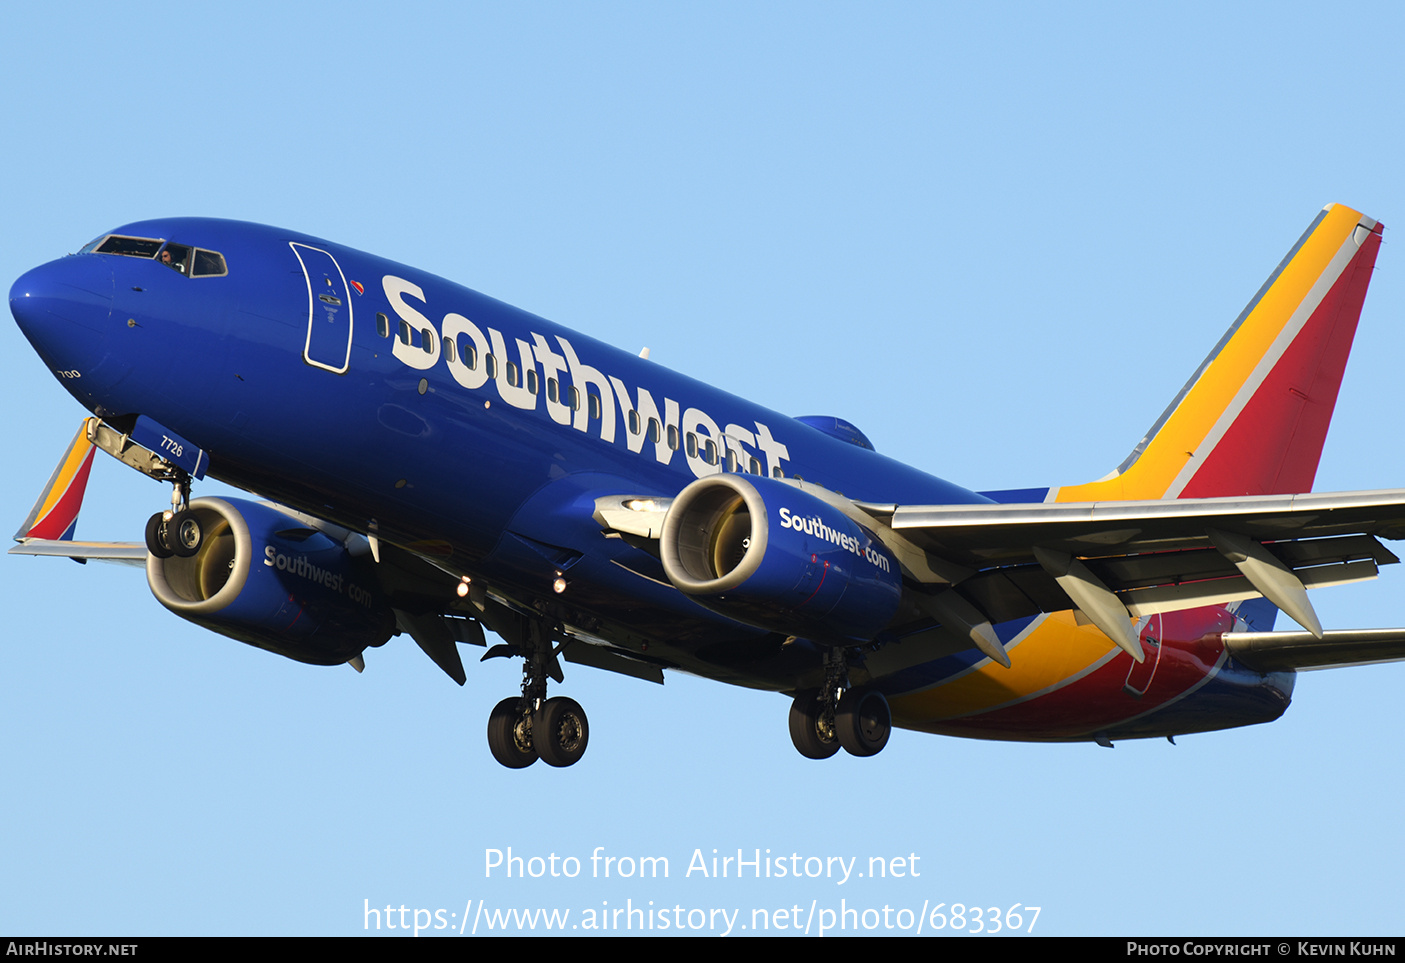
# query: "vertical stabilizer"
x,y
1253,418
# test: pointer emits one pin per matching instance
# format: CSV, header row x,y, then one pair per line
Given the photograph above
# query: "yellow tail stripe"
x,y
1056,651
1210,399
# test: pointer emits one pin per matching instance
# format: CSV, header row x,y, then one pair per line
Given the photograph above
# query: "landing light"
x,y
558,586
641,505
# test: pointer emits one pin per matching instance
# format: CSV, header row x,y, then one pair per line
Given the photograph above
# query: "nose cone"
x,y
64,308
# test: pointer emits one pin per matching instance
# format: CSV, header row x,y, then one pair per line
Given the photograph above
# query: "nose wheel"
x,y
177,531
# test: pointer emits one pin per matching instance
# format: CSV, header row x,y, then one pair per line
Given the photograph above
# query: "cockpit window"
x,y
193,262
176,257
208,264
126,246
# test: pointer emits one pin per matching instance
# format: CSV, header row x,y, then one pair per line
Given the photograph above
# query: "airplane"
x,y
430,462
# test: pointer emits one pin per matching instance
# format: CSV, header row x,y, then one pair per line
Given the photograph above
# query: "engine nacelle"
x,y
766,553
267,579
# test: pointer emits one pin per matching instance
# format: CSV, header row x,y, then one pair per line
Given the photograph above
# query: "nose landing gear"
x,y
178,530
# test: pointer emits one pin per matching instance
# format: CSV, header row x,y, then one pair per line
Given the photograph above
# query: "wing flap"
x,y
1166,581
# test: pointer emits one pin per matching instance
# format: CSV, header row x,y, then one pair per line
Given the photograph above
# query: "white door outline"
x,y
326,346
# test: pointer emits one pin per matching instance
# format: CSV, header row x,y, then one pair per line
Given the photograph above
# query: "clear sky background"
x,y
998,239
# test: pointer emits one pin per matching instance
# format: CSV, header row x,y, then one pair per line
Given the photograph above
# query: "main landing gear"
x,y
525,728
177,531
825,720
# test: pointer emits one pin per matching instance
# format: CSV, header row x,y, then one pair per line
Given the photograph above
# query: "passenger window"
x,y
427,340
634,422
382,325
553,390
654,431
710,452
491,365
777,473
595,409
449,350
692,445
673,437
755,467
512,373
575,398
470,356
404,332
208,264
533,382
731,461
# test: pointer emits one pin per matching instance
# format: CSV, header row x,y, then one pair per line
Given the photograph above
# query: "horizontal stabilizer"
x,y
1279,651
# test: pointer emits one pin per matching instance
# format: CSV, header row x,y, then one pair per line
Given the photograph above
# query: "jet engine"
x,y
766,553
272,580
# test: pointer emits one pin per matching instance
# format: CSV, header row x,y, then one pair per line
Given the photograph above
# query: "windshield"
x,y
126,246
181,258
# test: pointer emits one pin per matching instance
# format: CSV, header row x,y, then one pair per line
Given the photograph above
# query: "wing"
x,y
127,553
1156,534
1116,560
969,566
49,527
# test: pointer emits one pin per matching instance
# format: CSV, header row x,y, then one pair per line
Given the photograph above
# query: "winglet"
x,y
1253,417
55,515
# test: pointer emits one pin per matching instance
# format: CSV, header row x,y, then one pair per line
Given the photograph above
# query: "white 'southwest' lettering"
x,y
395,291
455,327
815,526
299,565
575,393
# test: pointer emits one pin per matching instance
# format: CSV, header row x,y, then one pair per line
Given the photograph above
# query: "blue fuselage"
x,y
340,384
480,440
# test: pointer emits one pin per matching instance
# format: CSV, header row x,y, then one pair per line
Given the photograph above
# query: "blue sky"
x,y
997,239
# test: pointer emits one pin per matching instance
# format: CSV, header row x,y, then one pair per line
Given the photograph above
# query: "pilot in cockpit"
x,y
175,256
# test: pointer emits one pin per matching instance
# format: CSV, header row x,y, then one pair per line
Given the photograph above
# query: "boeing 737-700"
x,y
428,462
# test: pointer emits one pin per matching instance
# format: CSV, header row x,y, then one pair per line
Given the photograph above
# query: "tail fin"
x,y
1253,418
55,514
